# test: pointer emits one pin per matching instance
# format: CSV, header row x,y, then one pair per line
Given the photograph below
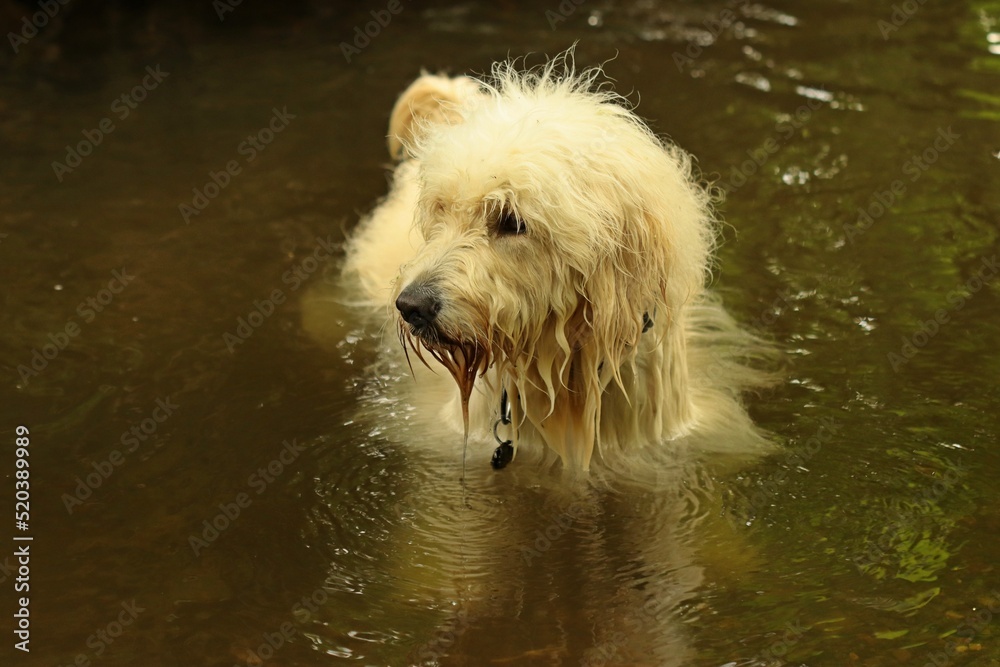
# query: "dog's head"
x,y
555,226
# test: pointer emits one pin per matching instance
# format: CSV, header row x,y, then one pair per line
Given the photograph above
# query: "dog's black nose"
x,y
419,305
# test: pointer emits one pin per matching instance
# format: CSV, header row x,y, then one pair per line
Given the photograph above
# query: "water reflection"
x,y
519,564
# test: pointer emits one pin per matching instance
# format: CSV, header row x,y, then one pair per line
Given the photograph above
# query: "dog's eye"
x,y
508,224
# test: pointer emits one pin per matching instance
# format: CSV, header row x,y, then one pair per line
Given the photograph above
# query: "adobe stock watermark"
x,y
769,315
904,522
122,107
784,130
901,15
796,457
721,367
22,617
558,527
565,9
972,625
930,328
223,7
272,642
581,154
650,614
60,340
364,34
249,149
258,482
915,168
131,440
294,278
715,27
444,638
30,25
779,648
102,638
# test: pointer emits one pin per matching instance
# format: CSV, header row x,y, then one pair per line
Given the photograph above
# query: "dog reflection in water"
x,y
544,251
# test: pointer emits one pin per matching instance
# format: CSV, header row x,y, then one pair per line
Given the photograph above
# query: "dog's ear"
x,y
655,242
670,230
429,100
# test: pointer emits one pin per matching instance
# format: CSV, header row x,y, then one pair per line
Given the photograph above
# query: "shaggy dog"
x,y
544,246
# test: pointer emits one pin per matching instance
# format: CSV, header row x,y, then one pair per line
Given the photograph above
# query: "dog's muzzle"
x,y
418,304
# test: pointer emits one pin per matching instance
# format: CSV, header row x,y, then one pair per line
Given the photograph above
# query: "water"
x,y
869,539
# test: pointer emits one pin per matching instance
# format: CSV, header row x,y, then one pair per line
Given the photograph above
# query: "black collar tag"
x,y
504,453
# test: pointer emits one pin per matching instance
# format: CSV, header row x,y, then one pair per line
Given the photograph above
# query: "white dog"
x,y
544,245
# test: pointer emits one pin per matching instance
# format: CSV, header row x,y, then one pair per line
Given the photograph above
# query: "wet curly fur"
x,y
539,237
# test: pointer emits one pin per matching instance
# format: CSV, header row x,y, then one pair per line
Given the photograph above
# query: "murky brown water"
x,y
155,412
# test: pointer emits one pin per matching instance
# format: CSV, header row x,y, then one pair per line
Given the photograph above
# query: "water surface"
x,y
862,170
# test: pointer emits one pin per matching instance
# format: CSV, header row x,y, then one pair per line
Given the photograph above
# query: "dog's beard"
x,y
464,360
